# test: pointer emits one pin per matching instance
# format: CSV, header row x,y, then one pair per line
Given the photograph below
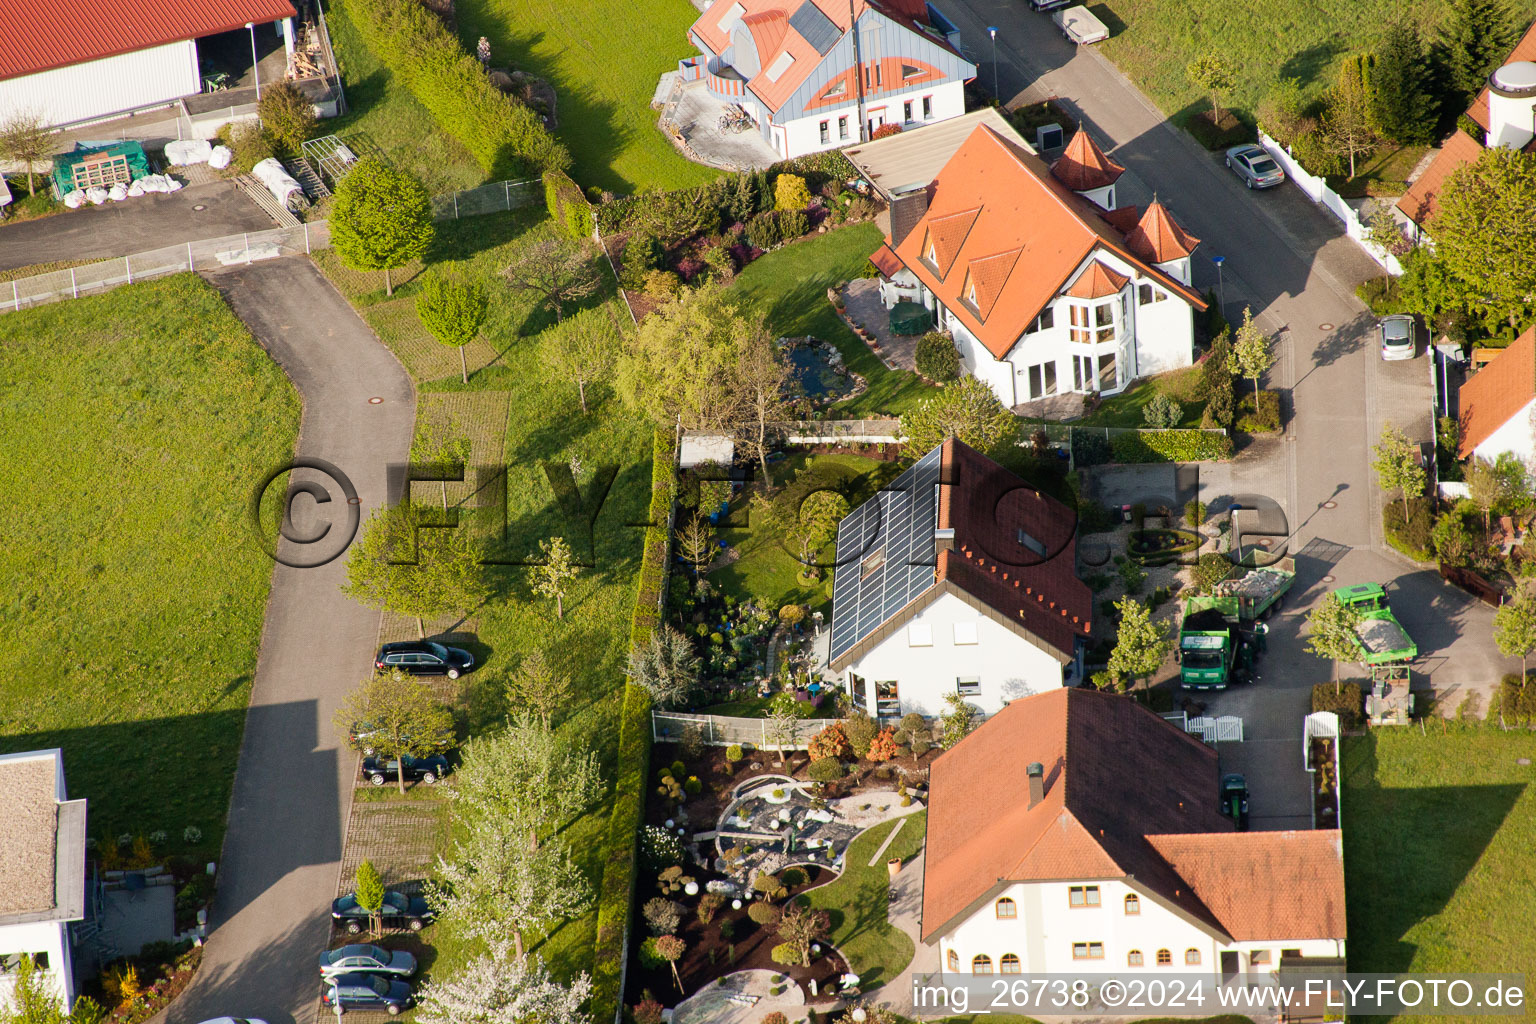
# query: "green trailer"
x,y
1380,638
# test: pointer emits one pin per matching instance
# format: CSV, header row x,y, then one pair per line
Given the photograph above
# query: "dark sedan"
x,y
417,769
367,992
364,959
399,911
423,658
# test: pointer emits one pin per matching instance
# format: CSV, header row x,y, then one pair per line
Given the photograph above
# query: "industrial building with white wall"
x,y
73,63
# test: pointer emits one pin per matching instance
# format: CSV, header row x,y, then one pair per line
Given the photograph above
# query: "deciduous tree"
x,y
552,577
967,410
666,665
1141,643
696,542
763,377
25,138
403,565
1331,631
1349,128
1397,465
680,366
405,718
381,218
956,721
558,270
1215,73
801,927
1252,353
288,116
582,350
1485,233
368,890
453,310
500,987
1514,629
527,772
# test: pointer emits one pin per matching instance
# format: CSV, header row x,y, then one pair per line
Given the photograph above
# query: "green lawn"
x,y
387,113
604,58
788,287
1390,164
767,571
1438,833
1125,409
136,424
544,423
1153,40
856,902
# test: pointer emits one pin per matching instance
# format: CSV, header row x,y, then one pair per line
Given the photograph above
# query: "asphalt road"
x,y
293,785
147,222
1292,263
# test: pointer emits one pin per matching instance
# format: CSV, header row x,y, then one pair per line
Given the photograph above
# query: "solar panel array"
x,y
815,26
898,524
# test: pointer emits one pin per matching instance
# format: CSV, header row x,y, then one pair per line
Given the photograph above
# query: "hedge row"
x,y
567,205
616,894
505,137
1170,446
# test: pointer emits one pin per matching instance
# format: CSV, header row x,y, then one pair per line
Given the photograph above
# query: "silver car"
x,y
1256,167
368,960
1397,337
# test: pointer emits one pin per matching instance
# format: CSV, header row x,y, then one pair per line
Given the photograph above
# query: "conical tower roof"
x,y
1084,167
1157,239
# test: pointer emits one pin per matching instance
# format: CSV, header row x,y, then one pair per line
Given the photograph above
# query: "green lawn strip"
x,y
30,206
137,423
856,902
1125,409
383,109
788,288
1438,829
1389,165
604,58
1152,41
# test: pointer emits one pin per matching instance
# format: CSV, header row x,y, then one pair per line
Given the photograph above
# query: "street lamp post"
x,y
992,31
255,64
1221,290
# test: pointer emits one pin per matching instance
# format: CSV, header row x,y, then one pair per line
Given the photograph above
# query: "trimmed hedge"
x,y
616,893
1348,703
506,138
1170,446
1266,420
568,206
1413,538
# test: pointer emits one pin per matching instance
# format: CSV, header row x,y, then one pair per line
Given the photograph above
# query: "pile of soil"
x,y
532,90
710,956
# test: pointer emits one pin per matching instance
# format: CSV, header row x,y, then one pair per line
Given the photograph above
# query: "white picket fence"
x,y
1226,729
1316,189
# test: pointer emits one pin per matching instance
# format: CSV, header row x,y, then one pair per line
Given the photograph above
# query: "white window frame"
x,y
919,634
965,633
968,686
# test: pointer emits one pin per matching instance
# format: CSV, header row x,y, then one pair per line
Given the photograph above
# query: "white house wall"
x,y
1515,436
803,134
1007,665
47,937
1047,926
100,88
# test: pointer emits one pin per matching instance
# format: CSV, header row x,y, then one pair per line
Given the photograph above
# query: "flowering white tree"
x,y
500,988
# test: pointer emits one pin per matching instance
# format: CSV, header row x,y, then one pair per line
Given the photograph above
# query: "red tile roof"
x,y
1498,392
885,261
1097,282
1122,218
1127,796
989,508
38,36
1420,203
1083,165
1157,238
1265,886
1007,199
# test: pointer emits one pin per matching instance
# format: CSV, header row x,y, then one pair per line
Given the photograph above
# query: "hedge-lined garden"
x,y
618,862
506,137
1090,446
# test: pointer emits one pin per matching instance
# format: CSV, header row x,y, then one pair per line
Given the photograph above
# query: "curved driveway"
x,y
293,785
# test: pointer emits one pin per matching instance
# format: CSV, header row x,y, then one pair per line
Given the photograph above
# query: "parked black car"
x,y
400,911
362,735
366,959
424,658
417,769
367,992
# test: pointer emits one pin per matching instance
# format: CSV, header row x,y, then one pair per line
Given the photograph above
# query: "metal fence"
x,y
834,431
720,731
497,197
209,254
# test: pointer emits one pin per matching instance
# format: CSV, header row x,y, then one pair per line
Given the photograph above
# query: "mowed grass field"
x,y
1439,830
136,425
1153,40
543,424
604,58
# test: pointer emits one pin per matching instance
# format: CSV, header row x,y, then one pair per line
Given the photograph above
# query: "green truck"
x,y
1379,637
1218,640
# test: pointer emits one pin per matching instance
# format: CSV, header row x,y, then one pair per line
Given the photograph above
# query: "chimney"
x,y
906,210
1036,772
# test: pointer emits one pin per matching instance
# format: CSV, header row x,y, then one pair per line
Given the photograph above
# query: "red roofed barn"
x,y
957,578
821,74
74,62
1077,832
1045,285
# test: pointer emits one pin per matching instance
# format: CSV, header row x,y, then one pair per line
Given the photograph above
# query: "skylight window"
x,y
780,65
732,16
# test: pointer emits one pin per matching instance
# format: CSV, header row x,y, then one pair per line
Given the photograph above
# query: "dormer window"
x,y
970,291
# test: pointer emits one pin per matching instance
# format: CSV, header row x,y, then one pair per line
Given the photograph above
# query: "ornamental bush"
x,y
650,959
792,877
733,753
793,224
1266,420
886,131
883,746
763,913
825,769
790,193
831,742
860,730
1210,570
786,953
936,357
